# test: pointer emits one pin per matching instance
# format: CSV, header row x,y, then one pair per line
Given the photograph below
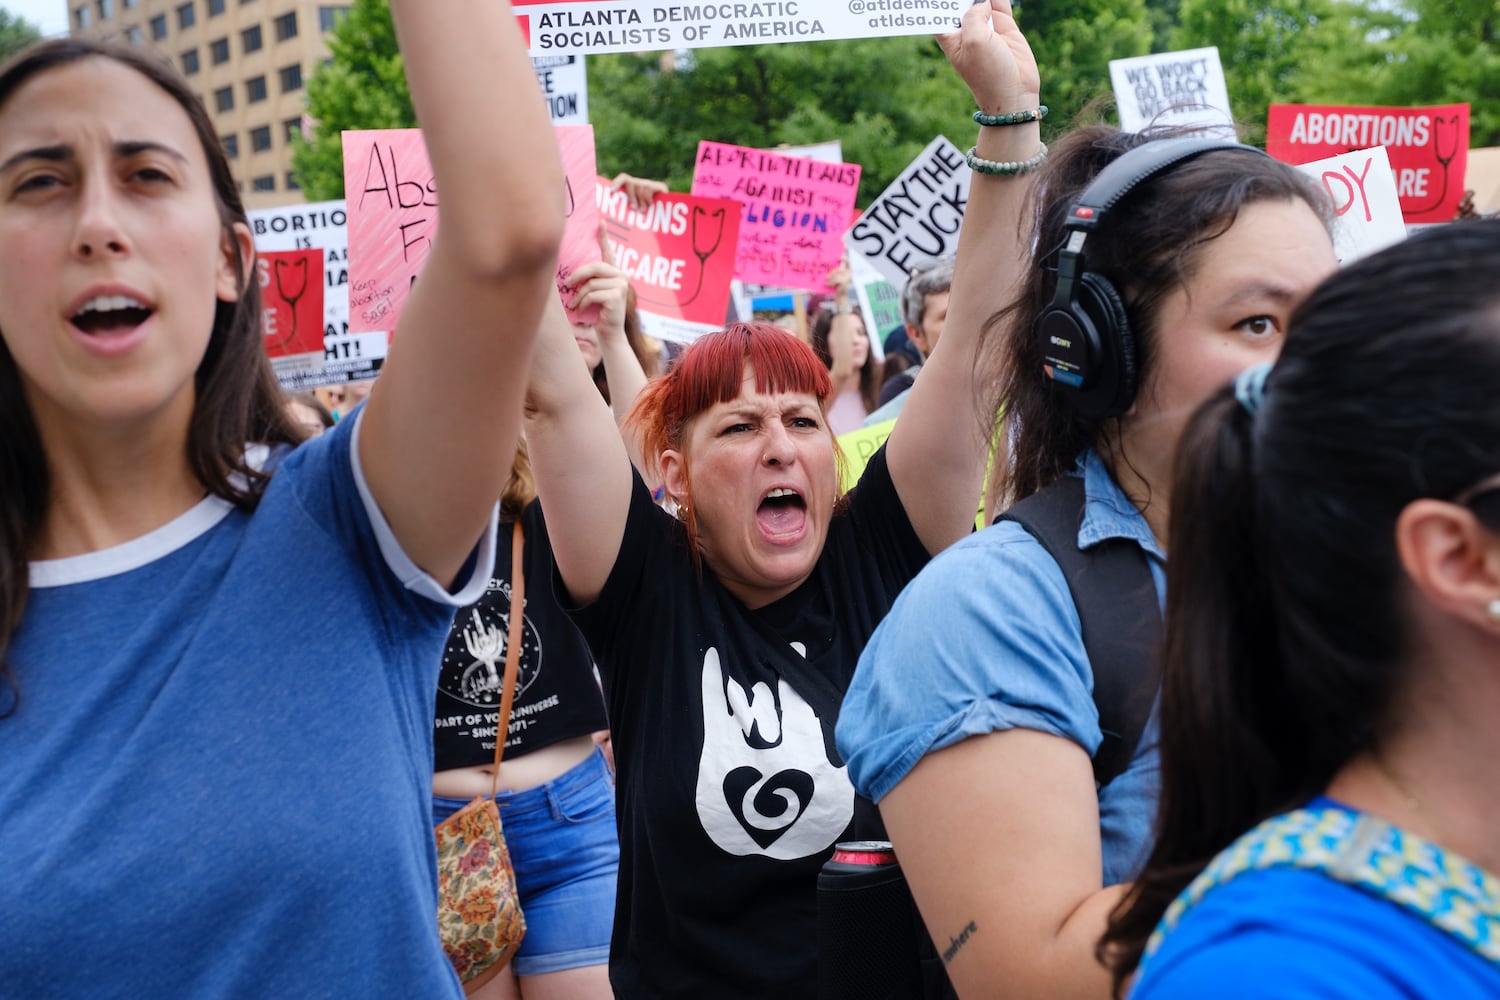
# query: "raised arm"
x,y
937,449
447,407
579,460
841,328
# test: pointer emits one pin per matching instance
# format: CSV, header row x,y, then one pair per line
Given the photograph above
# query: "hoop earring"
x,y
1492,610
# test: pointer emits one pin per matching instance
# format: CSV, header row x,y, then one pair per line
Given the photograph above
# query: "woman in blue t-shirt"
x,y
1333,630
220,651
1162,266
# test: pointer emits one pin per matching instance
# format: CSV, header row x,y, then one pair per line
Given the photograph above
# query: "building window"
x,y
260,138
286,26
266,182
292,127
187,16
291,182
84,16
129,4
328,17
218,51
133,35
158,27
215,8
106,9
224,99
250,40
231,146
255,89
190,62
291,78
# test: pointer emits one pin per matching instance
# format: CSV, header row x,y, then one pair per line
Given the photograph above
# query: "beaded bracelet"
x,y
1014,118
1004,168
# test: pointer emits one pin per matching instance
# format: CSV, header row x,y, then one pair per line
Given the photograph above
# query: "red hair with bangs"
x,y
712,370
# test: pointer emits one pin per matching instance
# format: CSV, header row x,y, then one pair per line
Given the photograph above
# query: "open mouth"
x,y
106,315
781,512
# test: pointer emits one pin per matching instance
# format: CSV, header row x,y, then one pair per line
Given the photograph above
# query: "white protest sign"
x,y
565,88
825,152
591,26
1363,190
348,356
1172,88
917,218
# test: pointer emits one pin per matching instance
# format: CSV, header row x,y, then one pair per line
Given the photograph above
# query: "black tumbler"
x,y
868,929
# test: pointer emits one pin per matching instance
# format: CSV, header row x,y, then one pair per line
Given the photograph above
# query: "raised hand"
x,y
991,55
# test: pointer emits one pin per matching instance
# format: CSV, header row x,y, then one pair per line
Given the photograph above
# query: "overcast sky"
x,y
49,15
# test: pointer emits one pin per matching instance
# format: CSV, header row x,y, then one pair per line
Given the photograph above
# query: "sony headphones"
x,y
1084,333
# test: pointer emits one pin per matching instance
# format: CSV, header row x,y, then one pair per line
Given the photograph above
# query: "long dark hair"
x,y
1384,394
238,398
869,372
1146,252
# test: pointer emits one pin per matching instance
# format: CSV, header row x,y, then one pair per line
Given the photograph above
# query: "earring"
x,y
1493,610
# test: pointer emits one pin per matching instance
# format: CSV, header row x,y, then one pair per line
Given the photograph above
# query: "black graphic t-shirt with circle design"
x,y
730,791
557,696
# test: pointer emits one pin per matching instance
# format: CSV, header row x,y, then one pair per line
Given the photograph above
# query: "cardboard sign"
x,y
591,26
393,216
679,255
1172,88
347,355
565,88
1428,147
795,211
1363,191
291,296
915,220
831,151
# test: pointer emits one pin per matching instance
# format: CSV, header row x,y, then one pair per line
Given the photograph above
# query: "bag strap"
x,y
515,627
1447,891
1120,613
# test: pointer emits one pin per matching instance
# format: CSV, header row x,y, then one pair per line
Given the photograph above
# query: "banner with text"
x,y
291,304
916,219
592,26
794,213
393,215
565,88
1363,191
1428,147
348,355
1172,88
680,256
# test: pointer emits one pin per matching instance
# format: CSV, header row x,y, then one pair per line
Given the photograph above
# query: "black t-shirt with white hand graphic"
x,y
730,791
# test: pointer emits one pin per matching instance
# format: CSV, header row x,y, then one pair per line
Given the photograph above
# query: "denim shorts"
x,y
563,845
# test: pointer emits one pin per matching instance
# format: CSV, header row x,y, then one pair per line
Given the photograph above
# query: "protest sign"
x,y
393,216
348,355
1172,88
291,299
831,151
592,26
1363,192
1428,147
917,218
859,447
565,88
679,255
795,211
879,302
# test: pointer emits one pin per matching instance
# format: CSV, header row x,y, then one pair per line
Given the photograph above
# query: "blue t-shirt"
x,y
987,638
217,780
1287,934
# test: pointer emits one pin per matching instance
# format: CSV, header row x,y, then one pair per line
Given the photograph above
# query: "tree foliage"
x,y
15,34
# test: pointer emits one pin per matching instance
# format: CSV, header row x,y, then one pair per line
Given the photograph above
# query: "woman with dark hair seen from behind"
x,y
971,719
1333,630
839,338
225,648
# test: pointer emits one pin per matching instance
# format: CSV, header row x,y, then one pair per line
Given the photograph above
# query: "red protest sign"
x,y
679,254
1428,147
291,290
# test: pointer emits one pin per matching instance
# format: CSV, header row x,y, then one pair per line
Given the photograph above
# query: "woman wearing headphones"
x,y
976,740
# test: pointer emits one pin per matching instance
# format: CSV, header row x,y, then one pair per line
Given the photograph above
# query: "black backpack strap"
x,y
1117,605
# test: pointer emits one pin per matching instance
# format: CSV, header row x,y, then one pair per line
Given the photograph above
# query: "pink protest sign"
x,y
1428,147
392,204
794,213
679,255
580,243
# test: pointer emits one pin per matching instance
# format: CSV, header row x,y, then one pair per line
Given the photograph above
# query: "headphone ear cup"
x,y
1112,389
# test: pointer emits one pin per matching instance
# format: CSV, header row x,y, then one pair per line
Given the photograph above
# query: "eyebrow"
x,y
1254,293
62,153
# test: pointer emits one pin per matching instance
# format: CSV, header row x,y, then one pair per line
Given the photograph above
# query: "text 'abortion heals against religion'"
x,y
392,203
593,26
794,216
679,254
1428,147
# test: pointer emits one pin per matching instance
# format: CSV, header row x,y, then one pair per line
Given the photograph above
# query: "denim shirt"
x,y
987,638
